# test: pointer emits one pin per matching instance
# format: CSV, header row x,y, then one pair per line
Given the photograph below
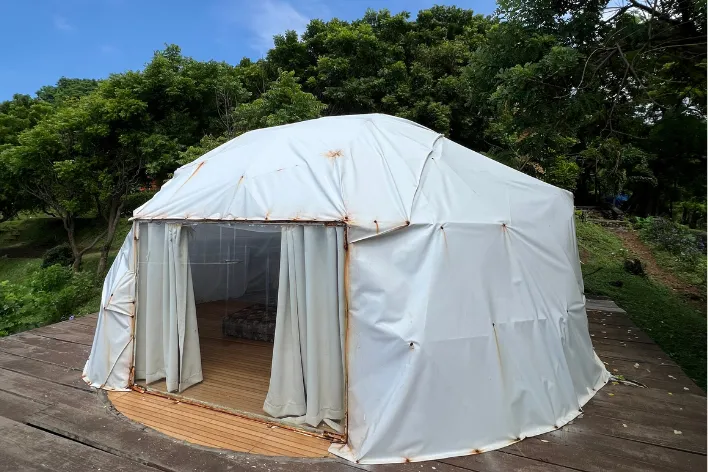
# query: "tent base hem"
x,y
346,453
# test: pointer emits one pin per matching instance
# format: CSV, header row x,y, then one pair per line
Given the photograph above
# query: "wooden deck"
x,y
50,419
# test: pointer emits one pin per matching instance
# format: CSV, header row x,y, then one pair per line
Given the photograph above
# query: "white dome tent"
x,y
431,294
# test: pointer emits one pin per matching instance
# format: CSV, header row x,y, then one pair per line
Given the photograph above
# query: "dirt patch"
x,y
630,240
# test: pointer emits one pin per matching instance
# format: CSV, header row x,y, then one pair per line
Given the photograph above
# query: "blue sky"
x,y
43,40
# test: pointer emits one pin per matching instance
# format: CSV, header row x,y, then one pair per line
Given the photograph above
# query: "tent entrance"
x,y
244,318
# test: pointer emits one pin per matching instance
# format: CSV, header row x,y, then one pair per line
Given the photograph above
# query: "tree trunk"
x,y
69,226
595,179
113,218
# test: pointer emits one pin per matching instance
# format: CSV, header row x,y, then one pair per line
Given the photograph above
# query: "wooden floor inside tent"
x,y
236,371
236,376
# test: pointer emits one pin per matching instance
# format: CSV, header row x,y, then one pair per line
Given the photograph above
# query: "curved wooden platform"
x,y
206,427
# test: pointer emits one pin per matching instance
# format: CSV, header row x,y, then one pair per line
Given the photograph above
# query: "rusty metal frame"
x,y
335,437
136,246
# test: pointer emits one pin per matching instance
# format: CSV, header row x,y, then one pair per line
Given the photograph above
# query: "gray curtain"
x,y
167,337
307,374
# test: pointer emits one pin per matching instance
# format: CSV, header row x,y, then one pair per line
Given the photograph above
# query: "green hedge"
x,y
49,295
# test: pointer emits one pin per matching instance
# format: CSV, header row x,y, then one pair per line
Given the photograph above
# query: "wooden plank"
x,y
171,419
26,448
639,430
659,371
610,319
230,422
236,375
630,353
62,333
43,370
218,386
645,444
666,377
44,391
188,434
647,349
695,402
91,324
579,458
428,466
254,426
45,349
496,461
690,426
608,306
640,403
562,441
79,324
247,371
620,333
86,320
206,426
223,398
18,408
116,435
199,425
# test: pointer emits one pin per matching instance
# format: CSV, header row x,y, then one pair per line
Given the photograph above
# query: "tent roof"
x,y
362,170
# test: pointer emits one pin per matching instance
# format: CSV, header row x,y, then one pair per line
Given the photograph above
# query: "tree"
x,y
82,157
641,63
66,90
46,166
186,100
16,116
284,102
206,144
116,149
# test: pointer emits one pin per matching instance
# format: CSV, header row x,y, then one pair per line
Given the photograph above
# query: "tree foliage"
x,y
596,97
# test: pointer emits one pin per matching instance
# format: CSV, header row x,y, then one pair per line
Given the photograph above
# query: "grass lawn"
x,y
676,324
694,275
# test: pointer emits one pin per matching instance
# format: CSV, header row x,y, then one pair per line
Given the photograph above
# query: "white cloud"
x,y
263,19
61,24
271,17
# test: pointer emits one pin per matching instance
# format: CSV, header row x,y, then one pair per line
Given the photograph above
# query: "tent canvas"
x,y
462,292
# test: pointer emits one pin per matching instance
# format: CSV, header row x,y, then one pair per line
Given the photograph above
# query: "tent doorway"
x,y
244,318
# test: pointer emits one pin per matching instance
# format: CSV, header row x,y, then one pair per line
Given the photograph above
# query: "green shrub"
x,y
50,295
691,213
670,236
60,254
